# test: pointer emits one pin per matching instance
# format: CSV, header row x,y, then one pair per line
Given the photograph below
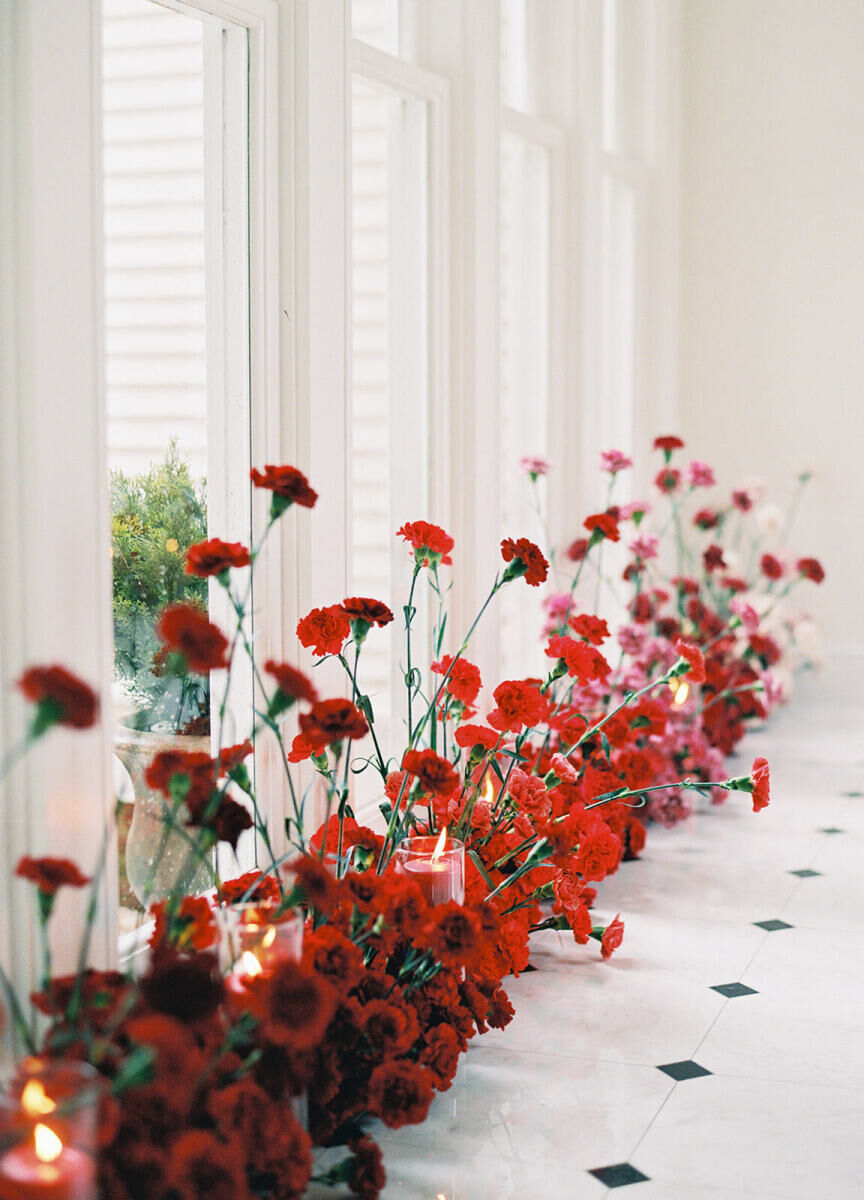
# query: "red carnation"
x,y
742,500
771,567
324,630
62,697
602,525
582,660
215,556
370,612
598,855
252,887
436,776
288,485
760,778
593,629
292,683
201,1164
463,682
527,561
668,444
232,756
331,721
399,1093
431,544
613,935
196,766
50,874
811,568
694,656
189,632
469,736
577,550
668,479
227,823
520,702
706,518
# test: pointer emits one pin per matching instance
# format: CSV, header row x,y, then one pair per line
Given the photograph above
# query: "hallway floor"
x,y
720,1053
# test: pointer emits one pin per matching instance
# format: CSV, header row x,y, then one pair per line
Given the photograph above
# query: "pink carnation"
x,y
614,461
700,474
645,546
533,464
747,613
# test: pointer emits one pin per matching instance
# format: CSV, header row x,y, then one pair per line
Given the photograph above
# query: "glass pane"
x,y
525,250
376,22
166,370
627,48
618,312
389,375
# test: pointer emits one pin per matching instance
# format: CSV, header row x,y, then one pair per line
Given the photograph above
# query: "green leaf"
x,y
136,1069
478,863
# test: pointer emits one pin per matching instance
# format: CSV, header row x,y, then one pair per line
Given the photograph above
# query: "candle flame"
x,y
682,692
269,938
34,1100
439,845
488,793
48,1145
250,964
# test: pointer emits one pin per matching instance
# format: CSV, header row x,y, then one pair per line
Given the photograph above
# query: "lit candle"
x,y
44,1169
437,867
51,1123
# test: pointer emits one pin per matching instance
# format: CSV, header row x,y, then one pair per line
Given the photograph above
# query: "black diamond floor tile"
x,y
832,829
734,989
683,1070
773,926
805,873
619,1175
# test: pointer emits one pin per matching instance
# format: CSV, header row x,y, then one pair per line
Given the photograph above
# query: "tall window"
x,y
177,371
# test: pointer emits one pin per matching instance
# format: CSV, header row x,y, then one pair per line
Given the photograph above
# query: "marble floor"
x,y
720,1053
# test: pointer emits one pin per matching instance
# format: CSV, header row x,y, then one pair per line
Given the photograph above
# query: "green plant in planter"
x,y
155,516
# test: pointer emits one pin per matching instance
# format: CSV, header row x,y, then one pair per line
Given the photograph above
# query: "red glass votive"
x,y
438,870
49,1117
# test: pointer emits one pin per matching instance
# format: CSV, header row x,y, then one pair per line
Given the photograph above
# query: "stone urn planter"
x,y
157,856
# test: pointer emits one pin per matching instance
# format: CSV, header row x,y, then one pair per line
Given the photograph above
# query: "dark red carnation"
x,y
391,1029
215,556
811,568
293,684
441,1055
527,561
229,820
298,1005
62,697
431,544
195,771
577,550
435,775
370,612
400,1093
287,483
668,443
713,558
453,934
331,721
191,634
334,956
742,500
367,1175
324,630
319,885
50,874
771,567
200,1164
602,525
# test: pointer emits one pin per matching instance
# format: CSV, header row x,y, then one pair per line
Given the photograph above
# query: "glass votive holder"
x,y
49,1131
257,937
436,864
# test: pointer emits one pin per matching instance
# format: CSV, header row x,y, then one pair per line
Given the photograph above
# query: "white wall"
x,y
773,266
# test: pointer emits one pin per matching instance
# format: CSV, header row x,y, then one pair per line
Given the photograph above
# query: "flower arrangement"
x,y
205,1055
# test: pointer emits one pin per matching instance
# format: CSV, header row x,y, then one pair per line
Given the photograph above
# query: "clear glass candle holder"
x,y
49,1131
257,937
437,868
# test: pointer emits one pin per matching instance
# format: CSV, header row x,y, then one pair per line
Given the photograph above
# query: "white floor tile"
x,y
744,1135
